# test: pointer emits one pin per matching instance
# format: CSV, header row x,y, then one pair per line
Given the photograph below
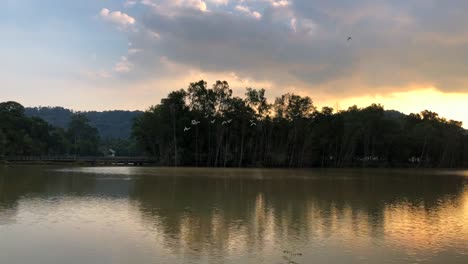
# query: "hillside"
x,y
110,124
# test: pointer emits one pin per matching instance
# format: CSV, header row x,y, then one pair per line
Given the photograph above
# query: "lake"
x,y
100,215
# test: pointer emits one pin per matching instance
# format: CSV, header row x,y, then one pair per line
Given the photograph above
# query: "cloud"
x,y
197,4
280,3
397,47
219,2
130,3
171,7
116,17
273,3
124,66
303,26
246,10
302,44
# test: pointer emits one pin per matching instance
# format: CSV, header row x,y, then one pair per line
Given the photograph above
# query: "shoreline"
x,y
154,165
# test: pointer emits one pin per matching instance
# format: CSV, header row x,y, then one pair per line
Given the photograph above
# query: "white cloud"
x,y
257,15
246,10
274,3
149,3
219,2
154,35
130,3
117,17
170,6
304,26
242,8
280,3
134,51
294,24
123,66
194,4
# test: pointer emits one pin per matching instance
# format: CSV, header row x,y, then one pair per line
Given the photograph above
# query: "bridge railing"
x,y
39,158
72,158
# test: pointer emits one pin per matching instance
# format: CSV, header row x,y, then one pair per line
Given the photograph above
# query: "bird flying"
x,y
349,39
253,124
186,129
213,121
195,122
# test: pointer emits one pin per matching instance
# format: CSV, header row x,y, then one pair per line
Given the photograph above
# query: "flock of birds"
x,y
226,122
213,121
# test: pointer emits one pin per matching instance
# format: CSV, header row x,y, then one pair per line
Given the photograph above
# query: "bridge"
x,y
87,160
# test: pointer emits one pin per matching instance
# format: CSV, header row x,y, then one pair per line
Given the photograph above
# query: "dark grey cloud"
x,y
395,43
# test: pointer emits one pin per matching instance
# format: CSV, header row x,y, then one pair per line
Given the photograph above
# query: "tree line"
x,y
21,135
208,126
114,124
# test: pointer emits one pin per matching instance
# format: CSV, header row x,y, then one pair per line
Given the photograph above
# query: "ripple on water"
x,y
148,215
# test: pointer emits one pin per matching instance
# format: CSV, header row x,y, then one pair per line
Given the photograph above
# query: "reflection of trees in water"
x,y
201,214
196,214
224,215
36,182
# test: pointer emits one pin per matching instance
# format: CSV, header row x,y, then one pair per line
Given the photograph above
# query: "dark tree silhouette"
x,y
291,132
209,126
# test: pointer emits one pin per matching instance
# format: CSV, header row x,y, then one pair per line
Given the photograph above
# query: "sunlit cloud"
x,y
280,3
116,17
401,51
246,10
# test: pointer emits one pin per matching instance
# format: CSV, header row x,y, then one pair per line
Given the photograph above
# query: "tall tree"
x,y
84,137
226,130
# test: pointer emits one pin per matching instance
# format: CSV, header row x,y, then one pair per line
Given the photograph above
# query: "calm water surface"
x,y
163,215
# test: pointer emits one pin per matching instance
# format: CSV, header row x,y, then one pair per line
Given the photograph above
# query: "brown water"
x,y
154,215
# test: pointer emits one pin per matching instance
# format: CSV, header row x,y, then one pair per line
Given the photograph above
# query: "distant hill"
x,y
110,124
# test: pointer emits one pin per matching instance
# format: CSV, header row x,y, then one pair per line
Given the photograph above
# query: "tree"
x,y
83,137
233,131
28,136
3,142
11,108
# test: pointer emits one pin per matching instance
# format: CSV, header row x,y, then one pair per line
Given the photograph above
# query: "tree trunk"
x,y
242,146
174,136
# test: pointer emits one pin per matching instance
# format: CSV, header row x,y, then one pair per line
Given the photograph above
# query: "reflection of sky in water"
x,y
259,174
73,217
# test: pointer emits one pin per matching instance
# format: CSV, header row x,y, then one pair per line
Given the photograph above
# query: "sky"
x,y
408,55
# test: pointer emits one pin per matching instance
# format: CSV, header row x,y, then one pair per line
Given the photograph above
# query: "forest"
x,y
110,124
208,126
21,135
25,134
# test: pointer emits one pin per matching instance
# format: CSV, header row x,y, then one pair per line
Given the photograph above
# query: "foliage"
x,y
209,126
21,135
83,137
204,126
110,124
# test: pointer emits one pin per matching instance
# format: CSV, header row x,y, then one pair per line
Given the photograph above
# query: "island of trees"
x,y
209,126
